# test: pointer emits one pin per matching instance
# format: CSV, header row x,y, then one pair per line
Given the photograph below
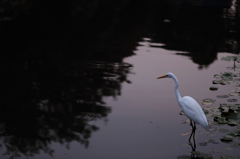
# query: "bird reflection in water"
x,y
192,136
193,153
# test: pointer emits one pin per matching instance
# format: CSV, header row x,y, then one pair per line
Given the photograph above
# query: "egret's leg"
x,y
191,123
194,129
193,135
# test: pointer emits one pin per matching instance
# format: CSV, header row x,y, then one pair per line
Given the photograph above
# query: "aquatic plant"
x,y
228,112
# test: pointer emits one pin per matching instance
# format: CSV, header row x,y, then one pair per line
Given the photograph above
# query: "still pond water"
x,y
144,121
90,89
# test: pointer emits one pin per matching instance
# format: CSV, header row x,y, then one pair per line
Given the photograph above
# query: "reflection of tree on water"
x,y
31,137
201,29
52,88
55,69
57,106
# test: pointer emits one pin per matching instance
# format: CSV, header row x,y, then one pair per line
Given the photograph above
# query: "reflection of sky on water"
x,y
145,120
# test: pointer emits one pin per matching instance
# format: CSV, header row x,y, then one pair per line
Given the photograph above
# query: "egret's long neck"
x,y
178,96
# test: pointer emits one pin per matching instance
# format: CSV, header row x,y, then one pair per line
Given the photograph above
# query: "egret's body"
x,y
189,105
193,111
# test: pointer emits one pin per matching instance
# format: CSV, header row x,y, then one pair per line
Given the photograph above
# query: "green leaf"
x,y
227,138
225,105
222,120
216,118
237,75
229,58
234,107
222,96
184,157
232,100
224,82
232,123
234,94
223,130
217,81
236,132
204,156
208,101
227,74
224,157
213,88
232,90
195,152
182,113
217,76
212,129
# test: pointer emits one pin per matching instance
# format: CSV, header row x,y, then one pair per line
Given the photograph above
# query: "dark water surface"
x,y
78,78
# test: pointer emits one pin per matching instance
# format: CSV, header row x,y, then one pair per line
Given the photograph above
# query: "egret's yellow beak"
x,y
162,77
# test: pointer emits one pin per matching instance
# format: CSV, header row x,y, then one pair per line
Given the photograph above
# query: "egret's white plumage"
x,y
189,105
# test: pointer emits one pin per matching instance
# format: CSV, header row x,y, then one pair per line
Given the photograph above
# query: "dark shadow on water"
x,y
33,131
201,29
55,68
60,58
43,104
198,29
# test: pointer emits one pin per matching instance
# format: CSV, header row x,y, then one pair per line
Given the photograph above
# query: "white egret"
x,y
189,106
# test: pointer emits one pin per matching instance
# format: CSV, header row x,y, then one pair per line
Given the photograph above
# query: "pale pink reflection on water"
x,y
145,121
